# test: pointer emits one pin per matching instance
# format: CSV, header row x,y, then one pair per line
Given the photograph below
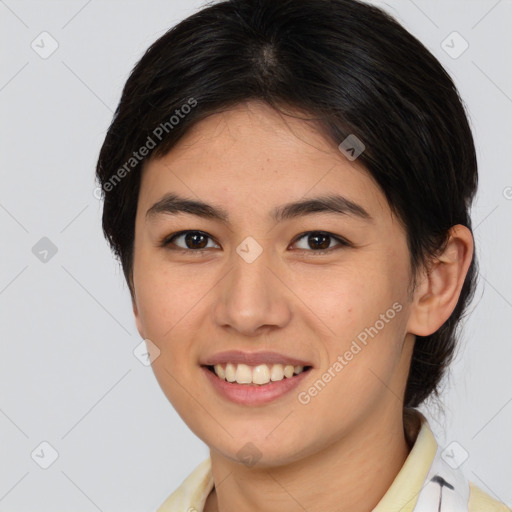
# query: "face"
x,y
325,284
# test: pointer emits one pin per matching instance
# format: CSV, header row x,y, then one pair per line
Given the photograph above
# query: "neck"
x,y
351,474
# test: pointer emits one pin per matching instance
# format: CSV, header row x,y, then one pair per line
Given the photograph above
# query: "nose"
x,y
253,298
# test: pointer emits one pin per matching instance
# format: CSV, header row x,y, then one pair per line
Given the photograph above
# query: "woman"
x,y
287,185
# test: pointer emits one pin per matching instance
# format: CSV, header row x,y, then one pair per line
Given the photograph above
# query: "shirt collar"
x,y
401,495
403,492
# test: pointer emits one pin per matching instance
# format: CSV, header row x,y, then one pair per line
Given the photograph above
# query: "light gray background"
x,y
67,369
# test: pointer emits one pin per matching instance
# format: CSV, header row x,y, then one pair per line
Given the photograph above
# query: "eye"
x,y
197,241
194,241
321,240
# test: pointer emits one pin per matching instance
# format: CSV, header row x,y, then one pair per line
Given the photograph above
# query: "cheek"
x,y
364,307
163,296
349,297
166,309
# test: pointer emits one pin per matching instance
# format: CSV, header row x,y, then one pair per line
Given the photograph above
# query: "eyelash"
x,y
168,240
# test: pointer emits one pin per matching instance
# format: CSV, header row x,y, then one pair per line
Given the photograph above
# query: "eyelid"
x,y
166,240
342,242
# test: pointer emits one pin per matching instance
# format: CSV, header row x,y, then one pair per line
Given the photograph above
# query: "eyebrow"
x,y
172,204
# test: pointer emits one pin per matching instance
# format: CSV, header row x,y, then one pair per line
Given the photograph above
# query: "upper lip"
x,y
252,358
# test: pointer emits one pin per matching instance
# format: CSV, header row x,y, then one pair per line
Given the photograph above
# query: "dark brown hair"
x,y
347,65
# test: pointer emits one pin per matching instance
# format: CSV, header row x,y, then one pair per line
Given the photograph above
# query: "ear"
x,y
440,285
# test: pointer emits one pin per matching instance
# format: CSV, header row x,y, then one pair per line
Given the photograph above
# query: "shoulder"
x,y
479,501
193,491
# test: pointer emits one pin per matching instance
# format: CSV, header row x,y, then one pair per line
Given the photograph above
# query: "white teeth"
x,y
220,371
243,374
230,372
288,370
276,373
261,374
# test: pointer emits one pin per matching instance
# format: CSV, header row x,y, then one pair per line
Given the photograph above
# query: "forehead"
x,y
251,155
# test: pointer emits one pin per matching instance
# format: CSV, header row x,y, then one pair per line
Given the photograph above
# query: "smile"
x,y
261,374
254,386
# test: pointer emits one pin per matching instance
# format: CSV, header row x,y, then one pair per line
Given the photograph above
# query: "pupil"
x,y
192,238
324,245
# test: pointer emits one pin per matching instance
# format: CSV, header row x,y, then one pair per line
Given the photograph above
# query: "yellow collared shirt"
x,y
401,496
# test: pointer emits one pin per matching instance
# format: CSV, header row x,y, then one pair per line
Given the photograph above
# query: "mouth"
x,y
256,375
256,385
255,378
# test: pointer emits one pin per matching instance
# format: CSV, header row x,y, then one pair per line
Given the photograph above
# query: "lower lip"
x,y
254,394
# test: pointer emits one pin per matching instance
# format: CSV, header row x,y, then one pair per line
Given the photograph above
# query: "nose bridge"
x,y
250,296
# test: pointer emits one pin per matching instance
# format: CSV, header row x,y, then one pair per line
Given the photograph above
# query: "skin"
x,y
343,449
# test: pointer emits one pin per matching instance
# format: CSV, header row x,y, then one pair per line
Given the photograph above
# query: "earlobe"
x,y
440,285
